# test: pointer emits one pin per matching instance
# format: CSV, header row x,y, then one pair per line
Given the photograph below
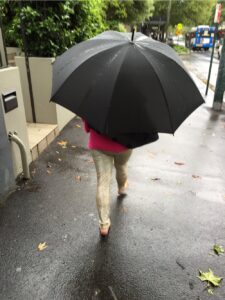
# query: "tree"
x,y
51,27
130,12
188,12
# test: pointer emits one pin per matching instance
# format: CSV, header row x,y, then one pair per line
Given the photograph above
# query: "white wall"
x,y
41,76
63,116
15,120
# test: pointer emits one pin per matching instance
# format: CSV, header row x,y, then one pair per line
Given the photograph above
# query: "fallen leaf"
x,y
49,172
57,152
73,146
78,178
196,176
155,178
78,126
59,159
62,143
218,249
210,277
179,163
49,165
42,246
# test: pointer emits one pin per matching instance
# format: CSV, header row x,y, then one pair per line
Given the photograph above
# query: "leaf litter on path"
x,y
42,246
218,249
78,178
62,143
211,279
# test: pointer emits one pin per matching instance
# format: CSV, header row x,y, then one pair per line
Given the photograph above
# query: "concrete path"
x,y
162,232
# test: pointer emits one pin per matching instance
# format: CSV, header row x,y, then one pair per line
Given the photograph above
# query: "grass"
x,y
180,49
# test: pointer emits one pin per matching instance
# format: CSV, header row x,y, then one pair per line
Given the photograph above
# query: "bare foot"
x,y
123,188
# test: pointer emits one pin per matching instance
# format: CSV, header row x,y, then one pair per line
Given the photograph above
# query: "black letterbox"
x,y
9,100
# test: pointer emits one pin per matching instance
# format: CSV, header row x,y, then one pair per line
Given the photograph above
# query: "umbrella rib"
x,y
104,50
115,82
164,95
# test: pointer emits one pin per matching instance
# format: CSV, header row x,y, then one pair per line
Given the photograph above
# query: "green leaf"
x,y
210,277
218,249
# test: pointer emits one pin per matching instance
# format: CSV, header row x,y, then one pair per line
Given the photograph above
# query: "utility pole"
x,y
211,60
168,16
220,82
216,22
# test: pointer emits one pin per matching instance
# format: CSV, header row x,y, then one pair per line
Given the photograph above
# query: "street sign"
x,y
218,13
179,26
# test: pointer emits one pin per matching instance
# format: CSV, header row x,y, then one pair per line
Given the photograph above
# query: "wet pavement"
x,y
162,232
199,62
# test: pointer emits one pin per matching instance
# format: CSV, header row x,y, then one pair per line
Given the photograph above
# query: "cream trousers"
x,y
104,163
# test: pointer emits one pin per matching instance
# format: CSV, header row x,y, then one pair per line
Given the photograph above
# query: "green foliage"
x,y
88,19
188,12
47,29
51,27
130,12
180,49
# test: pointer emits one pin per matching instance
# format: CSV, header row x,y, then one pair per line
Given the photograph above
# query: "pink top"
x,y
100,142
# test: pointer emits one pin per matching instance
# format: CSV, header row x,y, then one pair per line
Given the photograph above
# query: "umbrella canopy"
x,y
125,89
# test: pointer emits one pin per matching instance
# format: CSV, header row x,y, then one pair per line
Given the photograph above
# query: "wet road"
x,y
199,63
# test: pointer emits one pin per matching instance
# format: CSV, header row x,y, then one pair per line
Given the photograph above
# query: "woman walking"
x,y
105,153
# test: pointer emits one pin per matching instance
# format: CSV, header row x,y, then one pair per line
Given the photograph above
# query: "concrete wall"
x,y
41,76
7,181
15,120
63,116
20,62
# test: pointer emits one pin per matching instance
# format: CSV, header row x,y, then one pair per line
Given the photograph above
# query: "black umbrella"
x,y
127,89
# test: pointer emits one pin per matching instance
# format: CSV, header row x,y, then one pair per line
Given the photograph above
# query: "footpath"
x,y
162,233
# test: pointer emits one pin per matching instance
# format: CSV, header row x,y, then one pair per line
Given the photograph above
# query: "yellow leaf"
x,y
78,178
62,143
42,246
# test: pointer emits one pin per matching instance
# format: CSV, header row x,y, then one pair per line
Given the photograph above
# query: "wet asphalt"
x,y
162,232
